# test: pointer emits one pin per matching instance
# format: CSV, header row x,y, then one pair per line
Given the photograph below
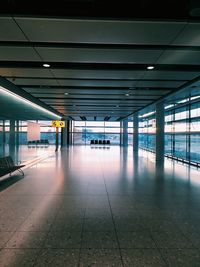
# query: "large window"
x,y
147,130
84,132
182,129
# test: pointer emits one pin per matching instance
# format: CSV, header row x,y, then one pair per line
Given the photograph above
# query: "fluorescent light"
x,y
147,114
169,106
46,65
26,101
150,67
127,94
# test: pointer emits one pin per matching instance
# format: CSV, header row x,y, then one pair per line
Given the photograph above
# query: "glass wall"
x,y
147,130
46,132
182,129
85,131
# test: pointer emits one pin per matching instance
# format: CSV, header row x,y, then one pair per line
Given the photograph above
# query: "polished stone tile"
x,y
181,257
70,224
142,257
99,240
83,197
100,258
71,213
63,239
171,240
37,223
158,224
194,237
139,239
57,258
128,224
27,240
18,257
4,237
98,212
97,224
96,190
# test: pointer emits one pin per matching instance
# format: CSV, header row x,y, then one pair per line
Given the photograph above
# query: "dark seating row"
x,y
35,143
7,166
99,142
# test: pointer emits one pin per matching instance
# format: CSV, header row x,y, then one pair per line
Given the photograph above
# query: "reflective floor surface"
x,y
23,153
95,206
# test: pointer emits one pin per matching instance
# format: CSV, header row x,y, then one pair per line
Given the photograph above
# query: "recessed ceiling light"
x,y
127,94
150,67
46,65
66,93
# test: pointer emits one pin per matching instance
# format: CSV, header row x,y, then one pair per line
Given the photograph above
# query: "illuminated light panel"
x,y
46,65
26,101
150,67
147,114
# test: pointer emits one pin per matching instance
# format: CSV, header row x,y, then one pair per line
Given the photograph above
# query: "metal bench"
x,y
7,166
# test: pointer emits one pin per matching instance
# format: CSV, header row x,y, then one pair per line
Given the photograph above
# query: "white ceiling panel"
x,y
171,75
99,31
160,84
118,74
189,36
97,83
180,57
99,55
58,91
98,88
22,72
9,31
34,82
18,54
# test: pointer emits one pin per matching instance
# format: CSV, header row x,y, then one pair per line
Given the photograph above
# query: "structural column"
x,y
65,134
12,133
17,133
124,134
121,133
12,142
135,132
160,135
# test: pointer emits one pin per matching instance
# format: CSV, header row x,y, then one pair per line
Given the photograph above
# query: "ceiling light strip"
x,y
26,101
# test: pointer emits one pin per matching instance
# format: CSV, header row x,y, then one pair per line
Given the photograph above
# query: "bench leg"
x,y
21,171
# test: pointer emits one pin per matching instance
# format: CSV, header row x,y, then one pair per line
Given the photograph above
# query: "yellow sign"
x,y
60,124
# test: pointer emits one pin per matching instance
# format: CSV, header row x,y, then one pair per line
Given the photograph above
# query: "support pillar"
x,y
12,140
135,132
65,135
121,133
57,138
160,135
12,133
17,134
124,133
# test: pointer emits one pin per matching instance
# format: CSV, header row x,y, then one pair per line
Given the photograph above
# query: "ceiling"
x,y
98,57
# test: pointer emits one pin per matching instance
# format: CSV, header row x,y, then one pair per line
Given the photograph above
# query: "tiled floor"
x,y
101,207
23,153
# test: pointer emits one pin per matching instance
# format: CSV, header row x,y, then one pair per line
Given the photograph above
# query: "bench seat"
x,y
7,166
